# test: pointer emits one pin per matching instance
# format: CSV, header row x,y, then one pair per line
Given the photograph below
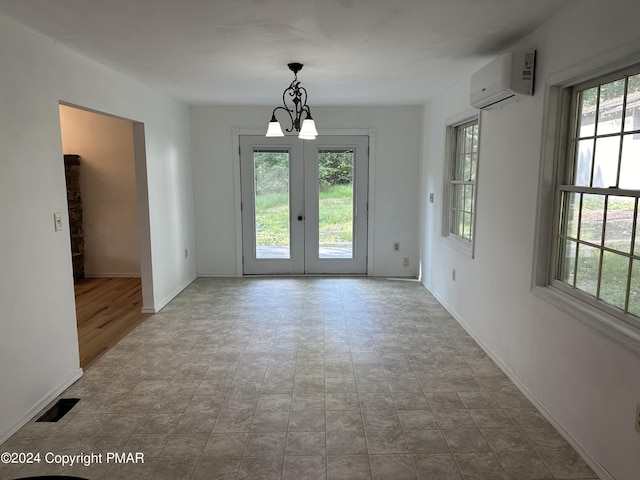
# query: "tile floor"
x,y
301,378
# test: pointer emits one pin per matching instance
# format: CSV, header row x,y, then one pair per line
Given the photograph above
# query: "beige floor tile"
x,y
315,378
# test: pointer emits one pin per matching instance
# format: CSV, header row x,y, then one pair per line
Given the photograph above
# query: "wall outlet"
x,y
638,417
453,274
57,222
396,246
405,261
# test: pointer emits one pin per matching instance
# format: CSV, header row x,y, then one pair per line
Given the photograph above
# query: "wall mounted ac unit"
x,y
506,79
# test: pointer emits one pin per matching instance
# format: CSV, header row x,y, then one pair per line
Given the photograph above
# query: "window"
x,y
462,171
596,246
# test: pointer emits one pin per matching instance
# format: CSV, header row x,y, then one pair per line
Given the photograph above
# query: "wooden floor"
x,y
106,310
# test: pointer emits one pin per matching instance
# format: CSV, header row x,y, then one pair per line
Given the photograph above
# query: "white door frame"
x,y
236,132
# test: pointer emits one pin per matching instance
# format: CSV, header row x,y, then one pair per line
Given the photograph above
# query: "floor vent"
x,y
59,410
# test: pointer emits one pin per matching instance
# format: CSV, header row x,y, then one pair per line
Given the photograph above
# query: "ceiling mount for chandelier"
x,y
294,99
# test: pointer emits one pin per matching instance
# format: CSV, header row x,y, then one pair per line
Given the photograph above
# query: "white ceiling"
x,y
356,52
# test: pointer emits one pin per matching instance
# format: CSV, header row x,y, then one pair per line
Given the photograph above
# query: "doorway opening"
x,y
304,205
106,212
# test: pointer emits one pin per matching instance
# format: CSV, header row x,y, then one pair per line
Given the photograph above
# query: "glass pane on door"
x,y
335,203
272,212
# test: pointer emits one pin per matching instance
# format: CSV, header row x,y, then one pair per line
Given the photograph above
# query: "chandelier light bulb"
x,y
274,129
308,130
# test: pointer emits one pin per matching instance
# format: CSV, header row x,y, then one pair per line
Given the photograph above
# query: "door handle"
x,y
300,218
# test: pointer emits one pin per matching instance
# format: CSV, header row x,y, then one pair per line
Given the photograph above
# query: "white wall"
x,y
393,209
38,343
587,382
108,190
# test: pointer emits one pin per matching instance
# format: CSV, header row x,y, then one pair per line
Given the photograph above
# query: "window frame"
x,y
555,168
452,155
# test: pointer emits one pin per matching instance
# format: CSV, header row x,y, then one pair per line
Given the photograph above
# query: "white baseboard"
x,y
386,275
22,421
161,304
602,473
391,274
112,275
218,275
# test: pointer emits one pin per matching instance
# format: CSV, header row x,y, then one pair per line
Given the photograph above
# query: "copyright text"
x,y
66,460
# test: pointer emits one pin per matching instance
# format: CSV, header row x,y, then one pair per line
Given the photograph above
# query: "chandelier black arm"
x,y
300,103
307,110
286,109
297,95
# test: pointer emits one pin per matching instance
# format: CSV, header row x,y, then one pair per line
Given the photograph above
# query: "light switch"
x,y
57,221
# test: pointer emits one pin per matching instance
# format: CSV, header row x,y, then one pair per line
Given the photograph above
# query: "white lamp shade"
x,y
308,130
274,130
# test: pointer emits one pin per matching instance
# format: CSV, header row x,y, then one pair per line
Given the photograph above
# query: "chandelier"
x,y
296,95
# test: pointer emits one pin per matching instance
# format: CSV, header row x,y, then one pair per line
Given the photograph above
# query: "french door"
x,y
304,205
